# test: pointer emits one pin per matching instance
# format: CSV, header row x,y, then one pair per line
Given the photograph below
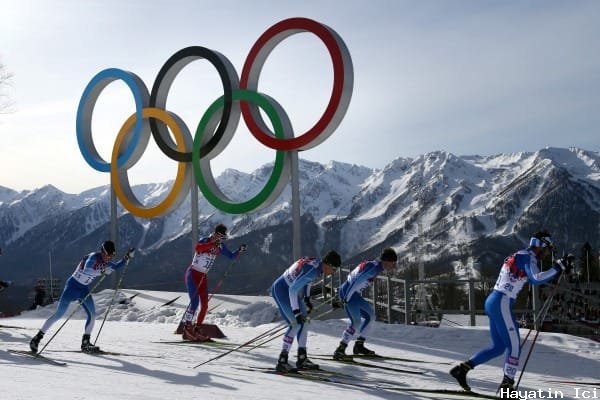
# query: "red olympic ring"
x,y
343,80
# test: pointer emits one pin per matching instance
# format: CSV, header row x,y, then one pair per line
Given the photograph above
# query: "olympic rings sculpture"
x,y
218,123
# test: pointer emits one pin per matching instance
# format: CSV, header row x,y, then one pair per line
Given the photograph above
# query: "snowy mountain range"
x,y
436,208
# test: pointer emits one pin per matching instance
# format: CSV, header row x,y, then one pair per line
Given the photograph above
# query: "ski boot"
x,y
303,362
35,342
87,346
340,353
191,334
506,388
282,364
359,348
460,374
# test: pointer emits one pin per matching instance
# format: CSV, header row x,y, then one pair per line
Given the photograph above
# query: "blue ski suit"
x,y
77,288
504,329
359,311
287,291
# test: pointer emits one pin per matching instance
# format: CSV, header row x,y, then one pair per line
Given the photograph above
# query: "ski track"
x,y
556,357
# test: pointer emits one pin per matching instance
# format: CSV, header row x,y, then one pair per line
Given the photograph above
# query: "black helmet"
x,y
388,254
333,258
221,229
108,248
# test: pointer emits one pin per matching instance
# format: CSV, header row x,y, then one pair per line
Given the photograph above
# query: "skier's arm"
x,y
118,264
307,290
230,254
300,284
360,281
537,277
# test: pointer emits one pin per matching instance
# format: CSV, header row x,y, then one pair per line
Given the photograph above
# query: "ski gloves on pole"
x,y
242,248
300,318
129,255
565,264
308,304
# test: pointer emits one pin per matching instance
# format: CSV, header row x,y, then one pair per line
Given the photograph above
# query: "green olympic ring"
x,y
202,170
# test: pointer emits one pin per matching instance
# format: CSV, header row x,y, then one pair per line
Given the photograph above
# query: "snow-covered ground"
x,y
165,371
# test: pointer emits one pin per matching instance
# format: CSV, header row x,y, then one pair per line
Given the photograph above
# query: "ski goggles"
x,y
541,242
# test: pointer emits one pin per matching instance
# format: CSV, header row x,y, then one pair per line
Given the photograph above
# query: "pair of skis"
x,y
43,358
361,363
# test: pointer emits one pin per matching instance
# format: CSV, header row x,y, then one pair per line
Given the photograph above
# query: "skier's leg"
x,y
203,294
496,348
352,308
509,331
66,298
68,295
497,327
90,311
192,289
302,334
280,292
367,314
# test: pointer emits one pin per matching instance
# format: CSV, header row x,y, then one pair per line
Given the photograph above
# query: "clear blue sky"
x,y
469,77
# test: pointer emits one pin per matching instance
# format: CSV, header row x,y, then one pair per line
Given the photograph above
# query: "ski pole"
x,y
113,298
213,308
72,313
452,322
266,333
218,286
537,333
270,339
216,289
542,312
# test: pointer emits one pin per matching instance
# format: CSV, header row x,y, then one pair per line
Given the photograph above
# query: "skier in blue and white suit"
x,y
516,270
89,268
287,291
359,311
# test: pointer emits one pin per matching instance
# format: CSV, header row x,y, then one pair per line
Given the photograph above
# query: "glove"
x,y
567,263
336,302
5,283
308,304
129,255
242,248
300,319
562,266
108,271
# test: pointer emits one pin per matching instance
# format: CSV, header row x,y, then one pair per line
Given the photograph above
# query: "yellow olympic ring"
x,y
120,179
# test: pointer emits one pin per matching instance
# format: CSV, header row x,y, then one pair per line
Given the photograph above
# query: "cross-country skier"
x,y
359,311
291,292
516,270
207,249
89,268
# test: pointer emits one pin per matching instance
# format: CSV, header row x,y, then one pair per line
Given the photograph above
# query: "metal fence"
x,y
397,300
